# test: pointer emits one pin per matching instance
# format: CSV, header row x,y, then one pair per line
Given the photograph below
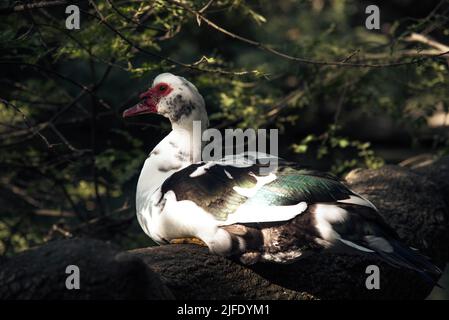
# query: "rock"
x,y
105,273
191,272
411,203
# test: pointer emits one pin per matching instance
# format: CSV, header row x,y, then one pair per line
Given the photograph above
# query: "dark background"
x,y
69,163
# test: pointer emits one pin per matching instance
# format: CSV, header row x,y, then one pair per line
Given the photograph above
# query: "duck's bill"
x,y
143,107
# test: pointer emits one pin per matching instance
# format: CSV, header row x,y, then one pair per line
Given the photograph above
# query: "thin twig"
x,y
34,5
278,53
163,58
416,37
25,120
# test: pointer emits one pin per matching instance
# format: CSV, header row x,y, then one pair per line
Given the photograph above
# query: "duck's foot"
x,y
192,240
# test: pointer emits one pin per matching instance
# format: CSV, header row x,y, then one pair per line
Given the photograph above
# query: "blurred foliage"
x,y
69,163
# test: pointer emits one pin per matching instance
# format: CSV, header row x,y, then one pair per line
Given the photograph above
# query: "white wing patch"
x,y
379,243
358,200
261,181
254,213
325,214
235,161
201,170
356,246
228,174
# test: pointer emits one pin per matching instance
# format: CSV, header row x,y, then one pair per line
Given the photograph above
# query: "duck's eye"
x,y
162,88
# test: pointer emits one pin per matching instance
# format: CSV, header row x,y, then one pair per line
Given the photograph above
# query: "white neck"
x,y
177,150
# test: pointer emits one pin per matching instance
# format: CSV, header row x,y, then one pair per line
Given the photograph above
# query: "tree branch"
x,y
271,50
34,5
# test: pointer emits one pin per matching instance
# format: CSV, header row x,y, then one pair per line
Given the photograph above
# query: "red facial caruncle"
x,y
150,100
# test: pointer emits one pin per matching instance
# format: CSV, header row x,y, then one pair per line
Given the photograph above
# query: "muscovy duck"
x,y
277,216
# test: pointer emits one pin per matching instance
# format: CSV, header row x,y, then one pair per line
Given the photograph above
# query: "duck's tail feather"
x,y
400,255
